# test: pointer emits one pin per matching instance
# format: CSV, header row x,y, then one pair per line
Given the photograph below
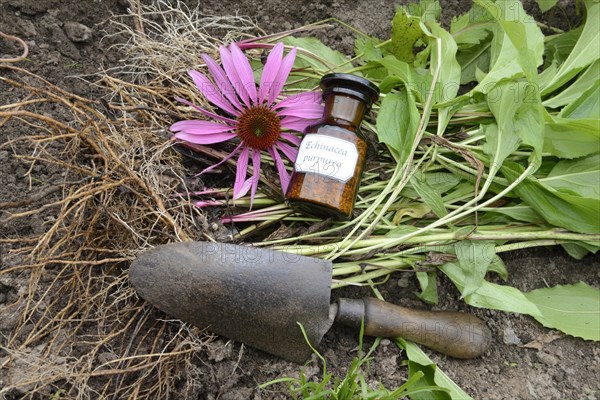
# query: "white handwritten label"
x,y
327,156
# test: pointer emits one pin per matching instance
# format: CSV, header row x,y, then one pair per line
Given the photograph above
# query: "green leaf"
x,y
498,266
515,38
588,78
586,106
491,295
566,210
418,82
318,55
580,176
572,138
429,195
366,47
519,117
558,47
583,54
426,10
474,58
521,212
405,32
432,375
574,309
580,249
472,27
442,181
545,5
428,284
397,123
443,55
410,210
474,258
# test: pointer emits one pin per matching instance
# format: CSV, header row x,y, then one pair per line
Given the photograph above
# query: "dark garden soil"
x,y
565,368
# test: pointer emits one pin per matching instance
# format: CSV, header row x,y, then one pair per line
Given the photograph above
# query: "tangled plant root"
x,y
21,42
79,328
172,39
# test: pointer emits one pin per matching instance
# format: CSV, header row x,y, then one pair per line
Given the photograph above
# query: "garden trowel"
x,y
261,297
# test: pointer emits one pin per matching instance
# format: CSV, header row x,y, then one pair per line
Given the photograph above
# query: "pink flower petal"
x,y
284,71
198,127
284,177
270,71
309,111
232,74
299,99
204,139
255,174
213,95
296,124
291,138
206,112
227,157
244,71
241,185
222,81
289,151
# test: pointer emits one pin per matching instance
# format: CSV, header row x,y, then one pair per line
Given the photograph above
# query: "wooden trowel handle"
x,y
456,334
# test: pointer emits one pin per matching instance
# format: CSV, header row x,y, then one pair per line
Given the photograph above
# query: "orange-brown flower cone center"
x,y
259,127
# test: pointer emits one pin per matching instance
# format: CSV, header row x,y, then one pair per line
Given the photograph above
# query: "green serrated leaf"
x,y
573,309
397,123
405,32
474,258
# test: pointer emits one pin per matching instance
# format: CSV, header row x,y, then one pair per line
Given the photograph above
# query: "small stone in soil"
x,y
510,337
77,32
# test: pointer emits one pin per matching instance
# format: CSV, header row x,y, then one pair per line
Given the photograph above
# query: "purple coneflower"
x,y
255,115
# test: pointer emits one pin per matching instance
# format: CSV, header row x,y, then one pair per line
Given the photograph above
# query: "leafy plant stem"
x,y
406,169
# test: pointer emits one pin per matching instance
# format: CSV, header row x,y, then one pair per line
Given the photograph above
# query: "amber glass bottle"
x,y
331,156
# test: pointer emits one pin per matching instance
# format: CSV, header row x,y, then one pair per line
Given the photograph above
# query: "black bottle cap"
x,y
351,85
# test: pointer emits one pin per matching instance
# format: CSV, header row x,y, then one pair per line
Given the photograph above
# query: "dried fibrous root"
x,y
81,331
115,201
167,39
